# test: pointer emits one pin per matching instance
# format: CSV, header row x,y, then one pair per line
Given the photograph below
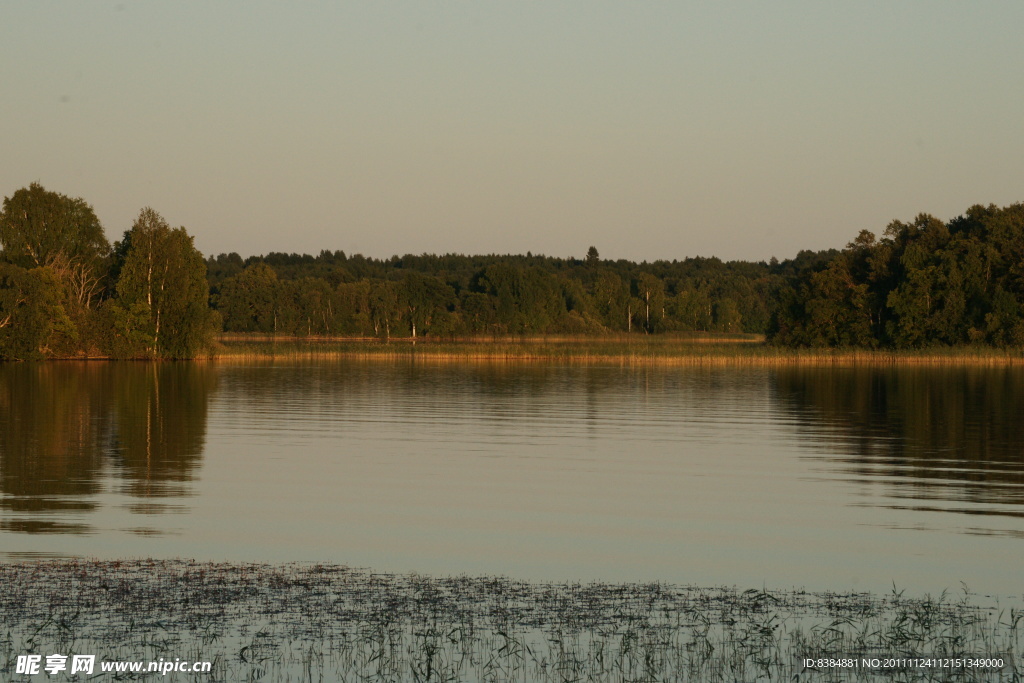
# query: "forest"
x,y
65,291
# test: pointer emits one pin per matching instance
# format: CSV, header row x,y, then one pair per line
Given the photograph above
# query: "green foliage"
x,y
37,226
727,316
478,314
33,322
837,308
693,309
425,298
60,239
314,303
527,300
494,294
651,291
351,307
127,329
385,306
924,284
165,276
249,301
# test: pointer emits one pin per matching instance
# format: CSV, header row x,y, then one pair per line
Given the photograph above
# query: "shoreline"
x,y
659,352
706,350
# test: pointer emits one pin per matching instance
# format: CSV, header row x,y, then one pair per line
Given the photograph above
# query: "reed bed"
x,y
646,351
334,623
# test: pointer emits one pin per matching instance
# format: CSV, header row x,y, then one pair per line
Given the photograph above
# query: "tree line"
x,y
66,291
455,295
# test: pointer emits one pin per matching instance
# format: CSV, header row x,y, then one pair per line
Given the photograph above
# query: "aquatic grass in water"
x,y
329,622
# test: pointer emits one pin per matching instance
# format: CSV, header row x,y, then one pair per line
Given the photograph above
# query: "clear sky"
x,y
649,129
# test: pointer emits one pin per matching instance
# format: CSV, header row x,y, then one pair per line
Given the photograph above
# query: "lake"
x,y
829,479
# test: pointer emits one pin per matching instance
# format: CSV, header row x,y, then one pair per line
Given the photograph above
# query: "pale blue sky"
x,y
651,130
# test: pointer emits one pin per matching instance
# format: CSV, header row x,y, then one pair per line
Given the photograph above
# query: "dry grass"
x,y
667,351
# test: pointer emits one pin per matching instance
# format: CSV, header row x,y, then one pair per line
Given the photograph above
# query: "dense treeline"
x,y
923,284
65,291
454,295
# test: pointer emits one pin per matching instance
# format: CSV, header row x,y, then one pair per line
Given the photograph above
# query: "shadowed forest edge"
x,y
66,292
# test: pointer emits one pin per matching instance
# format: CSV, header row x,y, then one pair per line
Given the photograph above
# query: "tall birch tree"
x,y
164,276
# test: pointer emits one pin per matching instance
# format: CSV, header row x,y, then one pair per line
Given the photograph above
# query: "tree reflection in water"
x,y
935,439
65,427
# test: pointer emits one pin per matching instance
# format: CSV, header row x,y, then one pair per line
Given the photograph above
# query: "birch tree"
x,y
165,275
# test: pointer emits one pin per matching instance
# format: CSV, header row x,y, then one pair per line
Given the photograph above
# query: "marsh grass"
x,y
657,350
334,623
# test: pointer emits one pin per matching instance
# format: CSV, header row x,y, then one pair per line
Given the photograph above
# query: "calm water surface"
x,y
823,478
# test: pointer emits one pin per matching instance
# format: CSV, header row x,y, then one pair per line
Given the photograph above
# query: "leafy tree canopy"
x,y
162,292
38,226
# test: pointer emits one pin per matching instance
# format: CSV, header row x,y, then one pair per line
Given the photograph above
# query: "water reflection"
x,y
160,427
933,439
820,477
67,430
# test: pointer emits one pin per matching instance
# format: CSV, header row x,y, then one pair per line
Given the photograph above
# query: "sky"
x,y
651,130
